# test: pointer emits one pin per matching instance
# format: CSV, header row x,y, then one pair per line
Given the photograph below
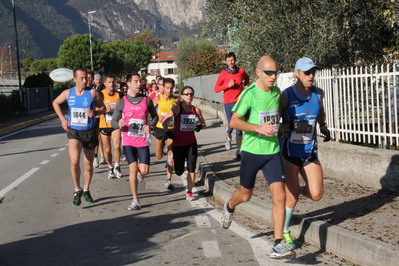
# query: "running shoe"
x,y
111,173
189,196
288,241
281,251
226,217
135,205
96,163
238,154
124,157
228,144
76,198
118,172
103,161
171,161
140,177
168,185
88,198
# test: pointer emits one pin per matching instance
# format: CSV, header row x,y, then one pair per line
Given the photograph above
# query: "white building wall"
x,y
164,66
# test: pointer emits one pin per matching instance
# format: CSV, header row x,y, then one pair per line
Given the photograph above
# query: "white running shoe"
x,y
135,205
96,163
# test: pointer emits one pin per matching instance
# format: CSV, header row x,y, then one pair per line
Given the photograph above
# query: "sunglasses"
x,y
269,72
310,72
188,94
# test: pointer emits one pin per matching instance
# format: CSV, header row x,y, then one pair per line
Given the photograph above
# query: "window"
x,y
170,71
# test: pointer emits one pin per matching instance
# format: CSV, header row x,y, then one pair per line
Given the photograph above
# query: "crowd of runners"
x,y
113,121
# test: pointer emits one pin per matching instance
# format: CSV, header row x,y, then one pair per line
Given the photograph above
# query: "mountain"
x,y
43,25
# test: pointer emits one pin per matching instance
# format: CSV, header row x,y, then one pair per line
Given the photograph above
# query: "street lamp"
x,y
91,51
159,70
9,49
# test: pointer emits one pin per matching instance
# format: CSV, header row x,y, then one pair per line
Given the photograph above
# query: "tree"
x,y
147,37
334,33
206,61
188,47
75,52
125,57
44,65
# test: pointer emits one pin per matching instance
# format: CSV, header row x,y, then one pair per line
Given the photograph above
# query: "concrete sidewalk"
x,y
352,246
15,124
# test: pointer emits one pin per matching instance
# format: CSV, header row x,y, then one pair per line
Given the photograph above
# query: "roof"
x,y
164,56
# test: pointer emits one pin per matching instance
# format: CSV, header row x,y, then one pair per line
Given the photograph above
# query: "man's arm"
x,y
117,115
169,116
219,85
152,112
322,115
266,129
100,108
57,108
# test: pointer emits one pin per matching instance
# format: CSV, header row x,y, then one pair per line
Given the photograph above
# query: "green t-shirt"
x,y
257,107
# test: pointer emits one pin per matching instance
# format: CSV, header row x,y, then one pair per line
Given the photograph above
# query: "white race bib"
x,y
79,117
187,122
136,128
305,137
265,116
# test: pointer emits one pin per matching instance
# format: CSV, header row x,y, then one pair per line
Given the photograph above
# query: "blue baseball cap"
x,y
304,64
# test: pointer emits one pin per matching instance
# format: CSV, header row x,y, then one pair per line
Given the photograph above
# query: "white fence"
x,y
361,104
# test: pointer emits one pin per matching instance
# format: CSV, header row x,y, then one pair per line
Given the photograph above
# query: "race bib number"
x,y
266,116
171,122
136,128
187,122
303,137
79,117
108,116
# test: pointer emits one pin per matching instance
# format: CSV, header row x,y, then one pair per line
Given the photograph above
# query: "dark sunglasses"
x,y
310,72
269,72
188,94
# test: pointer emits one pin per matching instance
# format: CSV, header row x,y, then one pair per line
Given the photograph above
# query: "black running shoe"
x,y
76,198
88,198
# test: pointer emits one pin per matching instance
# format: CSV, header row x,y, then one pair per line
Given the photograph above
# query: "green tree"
x,y
125,57
147,37
205,61
334,33
188,47
27,62
47,64
75,52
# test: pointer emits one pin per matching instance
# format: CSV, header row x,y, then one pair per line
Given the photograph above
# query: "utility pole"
x,y
91,51
16,42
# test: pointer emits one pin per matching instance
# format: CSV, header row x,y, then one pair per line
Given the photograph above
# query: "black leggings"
x,y
183,153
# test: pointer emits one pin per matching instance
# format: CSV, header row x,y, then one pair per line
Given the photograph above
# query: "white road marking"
x,y
54,154
18,181
61,149
44,162
260,247
211,249
202,221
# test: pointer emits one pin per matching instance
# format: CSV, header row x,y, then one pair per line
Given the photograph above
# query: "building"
x,y
163,64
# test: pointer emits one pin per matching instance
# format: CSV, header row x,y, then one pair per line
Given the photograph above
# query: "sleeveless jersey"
x,y
77,110
105,119
184,127
136,116
164,107
301,107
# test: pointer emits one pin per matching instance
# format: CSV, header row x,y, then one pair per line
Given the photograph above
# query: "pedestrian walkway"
x,y
214,161
14,124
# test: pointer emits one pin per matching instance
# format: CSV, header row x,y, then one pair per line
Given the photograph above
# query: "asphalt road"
x,y
39,225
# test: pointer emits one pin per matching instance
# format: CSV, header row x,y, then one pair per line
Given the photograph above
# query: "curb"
x,y
352,246
17,127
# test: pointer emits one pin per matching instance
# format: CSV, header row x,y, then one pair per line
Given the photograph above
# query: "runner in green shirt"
x,y
256,114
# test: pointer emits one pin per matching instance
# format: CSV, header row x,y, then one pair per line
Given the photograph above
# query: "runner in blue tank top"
x,y
301,107
83,104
